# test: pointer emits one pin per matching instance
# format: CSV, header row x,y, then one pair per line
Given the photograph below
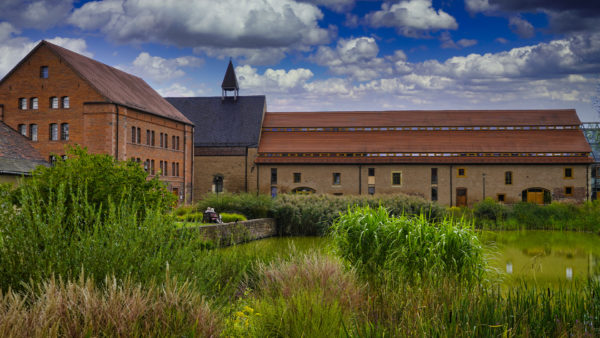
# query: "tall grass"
x,y
249,205
373,241
78,308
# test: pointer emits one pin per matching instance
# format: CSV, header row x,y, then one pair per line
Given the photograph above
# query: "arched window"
x,y
218,183
64,131
65,102
54,102
34,103
53,132
33,132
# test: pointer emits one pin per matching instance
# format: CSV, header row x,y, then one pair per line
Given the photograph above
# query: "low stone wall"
x,y
238,232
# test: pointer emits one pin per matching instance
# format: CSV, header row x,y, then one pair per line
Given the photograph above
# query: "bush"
x,y
313,215
227,217
252,205
375,242
489,210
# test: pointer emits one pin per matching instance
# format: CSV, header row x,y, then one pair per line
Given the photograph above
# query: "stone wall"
x,y
238,232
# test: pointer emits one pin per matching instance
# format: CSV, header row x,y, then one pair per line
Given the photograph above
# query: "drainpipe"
x,y
451,185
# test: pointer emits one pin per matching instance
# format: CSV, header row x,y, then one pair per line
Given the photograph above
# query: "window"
x,y
173,169
273,175
461,172
434,194
147,165
396,178
133,137
54,102
53,131
161,139
501,197
64,157
64,131
371,172
508,178
152,167
297,177
23,129
152,143
160,167
166,141
34,103
177,142
173,142
337,178
44,72
568,191
166,171
568,172
139,136
371,190
52,159
65,102
33,132
177,167
22,103
434,179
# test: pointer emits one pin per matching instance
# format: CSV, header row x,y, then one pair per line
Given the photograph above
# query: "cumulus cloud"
x,y
40,14
273,80
335,5
412,18
447,42
161,70
76,45
240,24
501,40
521,27
250,56
176,90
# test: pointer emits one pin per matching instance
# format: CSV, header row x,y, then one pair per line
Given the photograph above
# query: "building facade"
x,y
56,97
453,157
228,130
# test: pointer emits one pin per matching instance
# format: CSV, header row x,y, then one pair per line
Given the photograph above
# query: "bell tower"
x,y
230,83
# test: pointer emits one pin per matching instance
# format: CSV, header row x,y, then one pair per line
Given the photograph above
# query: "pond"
x,y
544,257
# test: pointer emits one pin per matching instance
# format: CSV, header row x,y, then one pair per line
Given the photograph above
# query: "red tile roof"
x,y
118,86
438,118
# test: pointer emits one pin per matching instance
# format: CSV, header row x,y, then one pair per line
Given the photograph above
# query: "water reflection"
x,y
545,256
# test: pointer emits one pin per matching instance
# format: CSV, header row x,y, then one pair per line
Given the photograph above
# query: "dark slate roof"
x,y
17,156
230,80
225,123
115,85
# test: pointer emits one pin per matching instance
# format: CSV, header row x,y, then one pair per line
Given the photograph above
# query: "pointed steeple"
x,y
230,82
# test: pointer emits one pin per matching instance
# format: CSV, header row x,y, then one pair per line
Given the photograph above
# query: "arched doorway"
x,y
218,183
536,195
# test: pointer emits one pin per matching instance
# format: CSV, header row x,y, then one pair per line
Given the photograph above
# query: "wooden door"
x,y
536,197
461,197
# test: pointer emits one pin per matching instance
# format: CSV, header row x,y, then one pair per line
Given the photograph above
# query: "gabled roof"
x,y
223,123
418,118
230,80
17,156
115,85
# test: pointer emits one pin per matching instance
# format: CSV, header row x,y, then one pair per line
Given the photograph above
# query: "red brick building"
x,y
56,97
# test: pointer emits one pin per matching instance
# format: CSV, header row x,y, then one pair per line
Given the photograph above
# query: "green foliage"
x,y
313,214
101,178
373,241
251,205
191,217
489,211
227,217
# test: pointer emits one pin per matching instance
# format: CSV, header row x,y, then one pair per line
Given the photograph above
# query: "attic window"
x,y
44,72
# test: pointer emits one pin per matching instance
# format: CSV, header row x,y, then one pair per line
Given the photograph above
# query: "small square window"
x,y
568,191
396,178
337,178
371,190
44,72
501,197
297,177
371,172
461,172
568,172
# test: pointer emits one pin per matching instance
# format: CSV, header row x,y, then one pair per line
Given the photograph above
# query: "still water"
x,y
543,256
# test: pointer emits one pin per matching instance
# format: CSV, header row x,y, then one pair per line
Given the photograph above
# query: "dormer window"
x,y
54,102
44,72
65,102
22,103
34,103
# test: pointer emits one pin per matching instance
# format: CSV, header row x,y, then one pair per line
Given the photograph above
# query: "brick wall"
x,y
238,232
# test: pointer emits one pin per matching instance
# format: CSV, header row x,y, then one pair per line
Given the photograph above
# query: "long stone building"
x,y
56,97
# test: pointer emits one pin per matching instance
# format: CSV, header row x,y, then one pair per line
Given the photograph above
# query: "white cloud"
x,y
161,70
76,45
272,80
501,40
476,6
521,27
447,42
334,5
244,24
413,18
250,56
176,90
40,14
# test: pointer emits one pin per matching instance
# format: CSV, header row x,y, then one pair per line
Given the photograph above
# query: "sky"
x,y
328,55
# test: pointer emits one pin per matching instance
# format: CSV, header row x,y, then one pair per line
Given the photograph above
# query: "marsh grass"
x,y
57,308
373,241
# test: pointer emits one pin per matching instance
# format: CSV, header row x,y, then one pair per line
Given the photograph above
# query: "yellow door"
x,y
535,197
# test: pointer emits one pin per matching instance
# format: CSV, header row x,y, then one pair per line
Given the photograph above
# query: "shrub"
x,y
373,242
227,217
252,205
489,210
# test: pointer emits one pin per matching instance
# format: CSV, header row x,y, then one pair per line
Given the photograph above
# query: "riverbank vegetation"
x,y
71,265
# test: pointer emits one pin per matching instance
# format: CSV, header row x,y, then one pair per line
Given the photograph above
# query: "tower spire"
x,y
230,82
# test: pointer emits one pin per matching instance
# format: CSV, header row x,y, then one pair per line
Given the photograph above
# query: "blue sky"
x,y
311,55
